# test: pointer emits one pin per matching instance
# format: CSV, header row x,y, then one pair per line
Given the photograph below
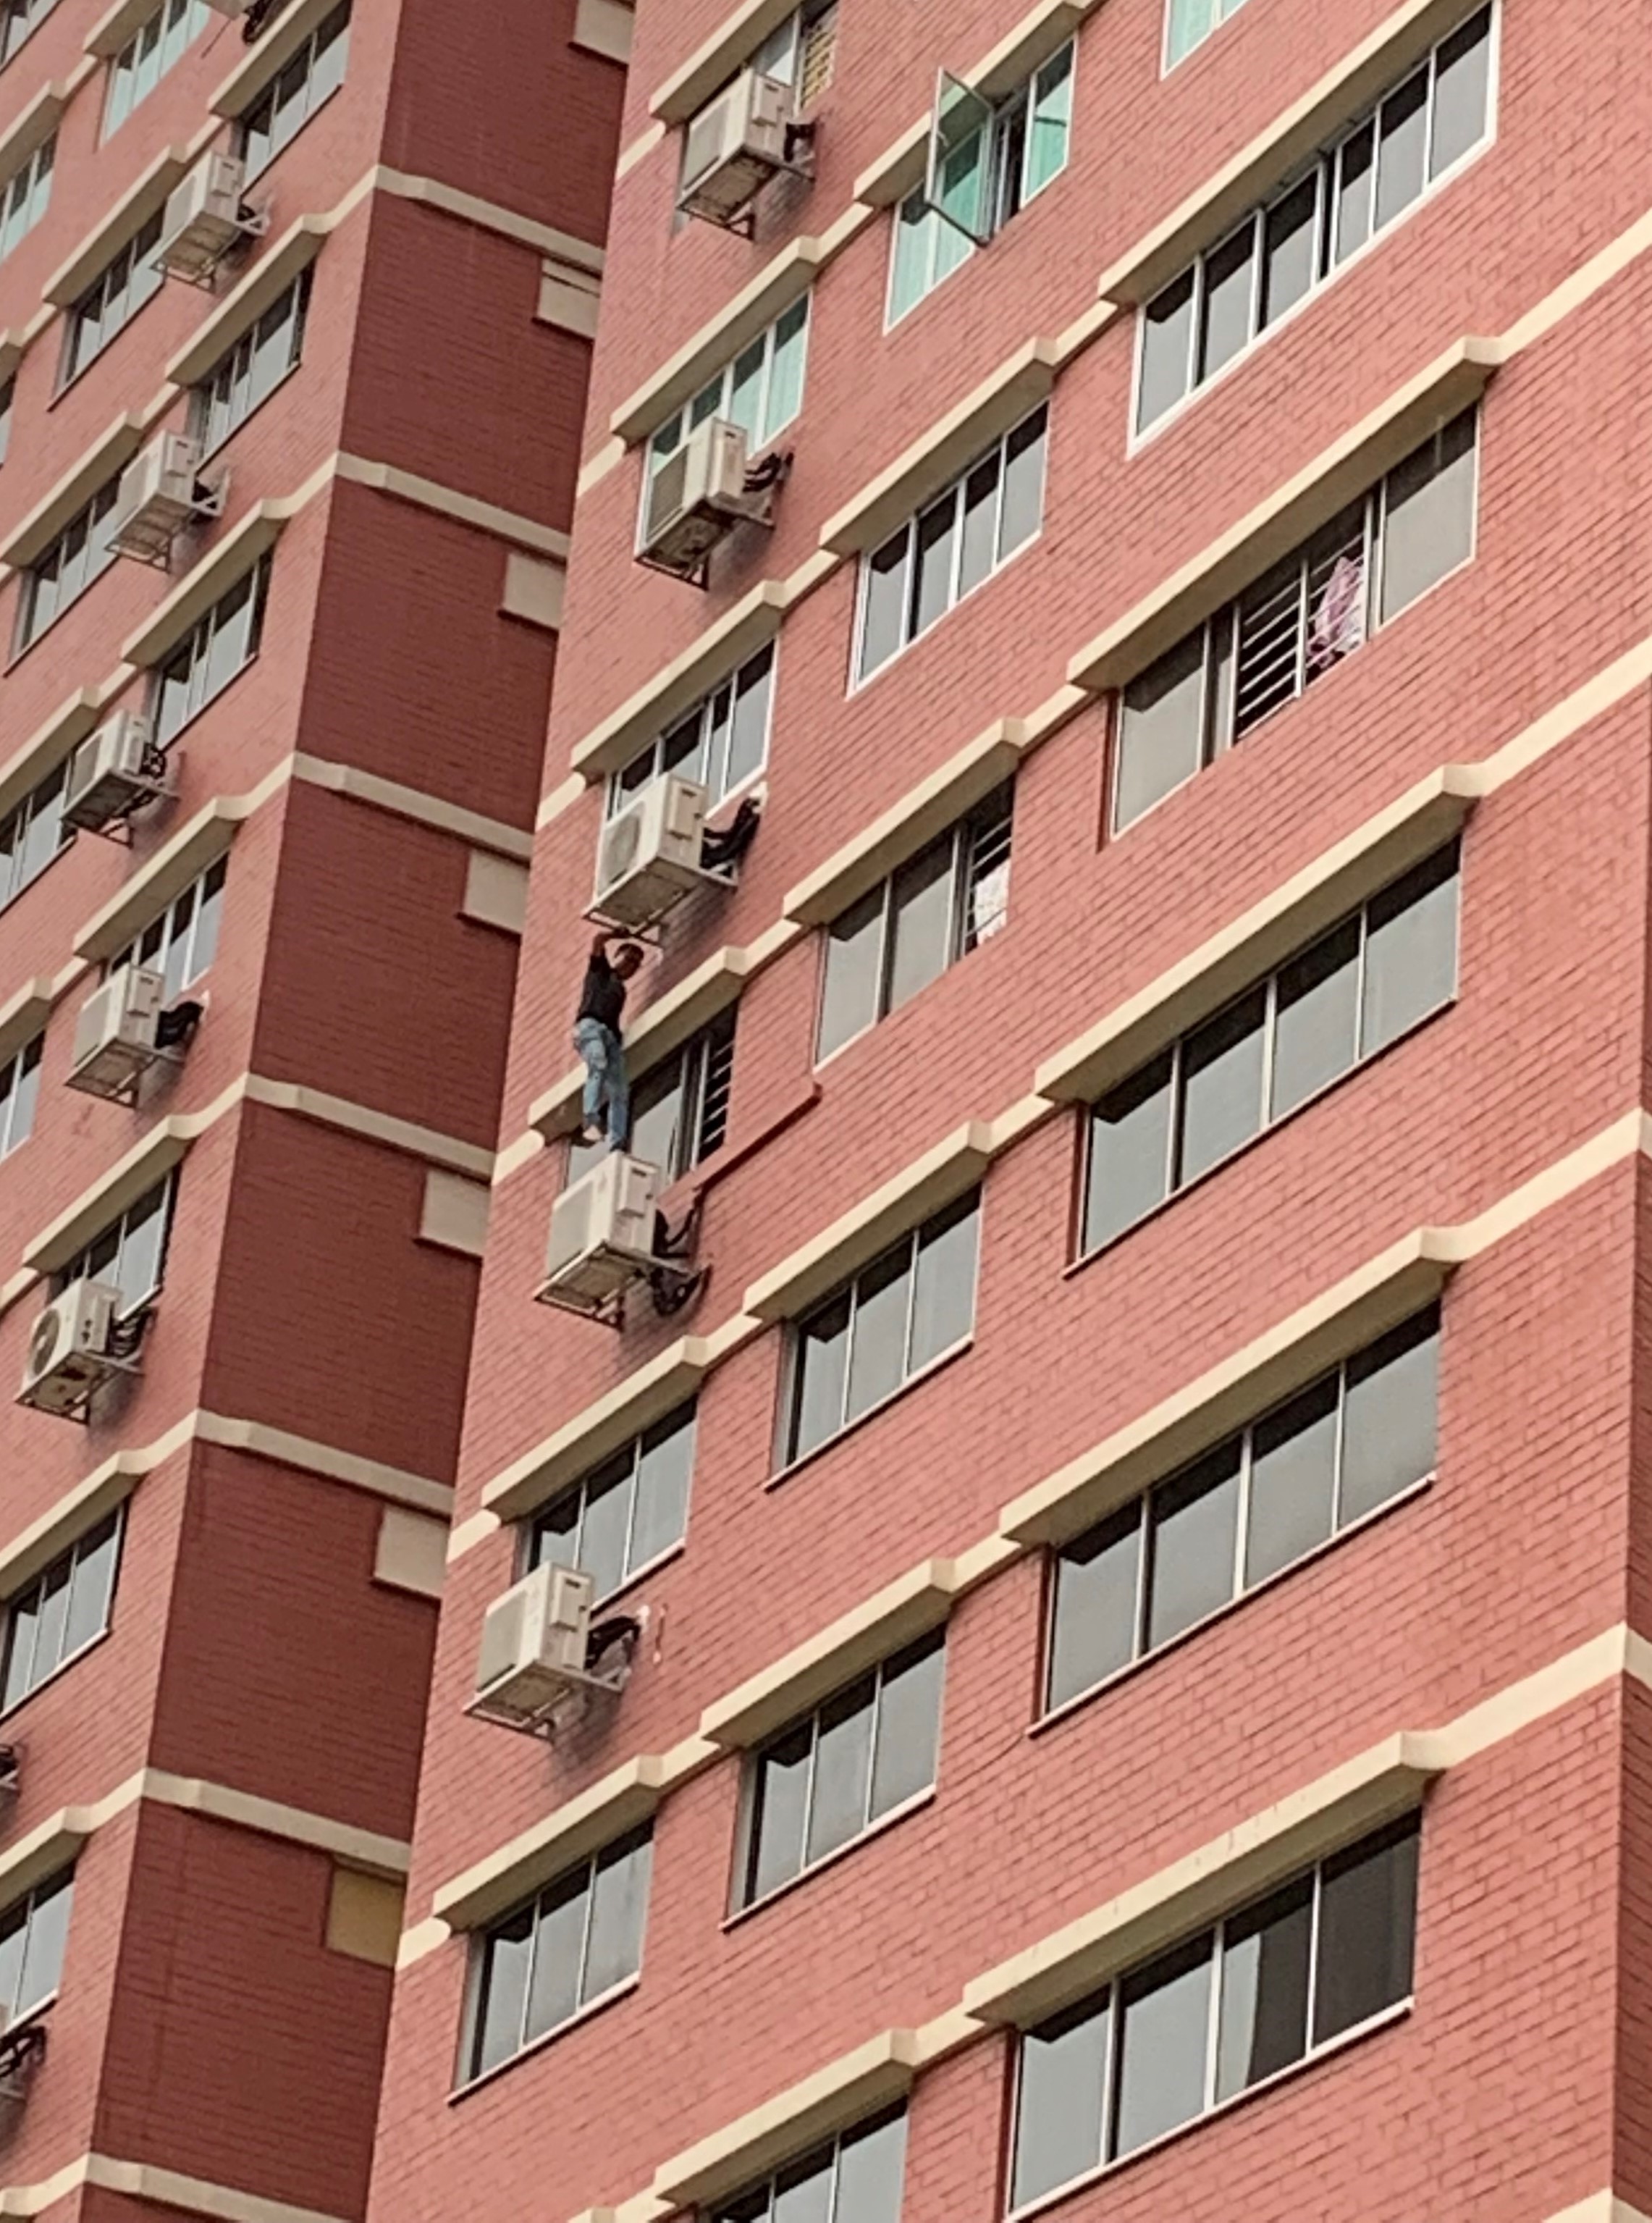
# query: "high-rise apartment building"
x,y
295,307
1118,1683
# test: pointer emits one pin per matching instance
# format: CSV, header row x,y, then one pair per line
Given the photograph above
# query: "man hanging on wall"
x,y
606,1108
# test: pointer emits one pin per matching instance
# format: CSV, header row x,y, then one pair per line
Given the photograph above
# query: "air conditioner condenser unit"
x,y
696,498
116,1036
649,858
533,1649
602,1230
206,215
161,491
736,144
114,772
72,1350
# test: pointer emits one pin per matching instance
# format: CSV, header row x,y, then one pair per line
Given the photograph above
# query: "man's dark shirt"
x,y
603,995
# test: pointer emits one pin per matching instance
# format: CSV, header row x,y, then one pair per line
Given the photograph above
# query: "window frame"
x,y
19,1070
694,1062
307,55
825,2158
175,925
34,173
43,801
617,796
93,514
79,1267
197,643
49,1887
114,1525
1226,10
1326,165
532,1552
712,398
236,376
193,15
31,14
8,402
129,259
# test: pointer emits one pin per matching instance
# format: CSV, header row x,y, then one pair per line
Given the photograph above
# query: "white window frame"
x,y
712,400
234,368
1226,10
307,55
78,1267
617,798
117,288
181,22
179,925
34,176
17,1098
198,642
90,518
30,13
25,2010
71,1558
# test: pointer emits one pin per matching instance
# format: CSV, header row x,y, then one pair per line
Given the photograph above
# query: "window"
x,y
679,1108
1348,995
24,195
112,300
987,163
904,934
131,1253
80,554
909,1307
947,550
32,834
161,40
580,1940
621,1518
1315,1959
1298,622
8,395
854,2179
722,741
17,19
252,369
1311,1468
62,1612
182,943
20,1084
1284,251
281,112
216,646
825,1781
1188,24
761,391
34,1933
800,51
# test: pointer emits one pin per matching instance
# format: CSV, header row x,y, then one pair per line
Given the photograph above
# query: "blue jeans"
x,y
607,1092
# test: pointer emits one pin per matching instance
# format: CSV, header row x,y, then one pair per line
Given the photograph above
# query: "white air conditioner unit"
x,y
206,215
601,1235
533,1649
114,772
697,497
648,859
116,1037
736,144
72,1348
161,491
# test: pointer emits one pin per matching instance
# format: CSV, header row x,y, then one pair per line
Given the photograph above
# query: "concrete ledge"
x,y
663,1026
1378,1786
48,745
200,842
753,309
740,631
933,1180
30,537
1350,466
149,1161
946,449
67,283
23,1015
795,1684
240,308
719,56
617,1802
1376,62
115,26
1318,1336
1337,882
668,1380
269,55
217,572
924,811
34,124
835,2097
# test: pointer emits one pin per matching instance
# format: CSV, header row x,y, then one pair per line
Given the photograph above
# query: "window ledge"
x,y
30,538
667,1380
234,315
1338,881
148,193
897,1615
1291,514
743,629
216,573
271,55
1376,1786
48,745
916,1804
616,1804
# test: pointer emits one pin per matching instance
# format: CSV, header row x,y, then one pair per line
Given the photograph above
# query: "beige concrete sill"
x,y
741,630
1337,882
200,842
107,455
666,1380
1349,467
97,250
716,58
606,1810
240,308
753,309
197,591
48,745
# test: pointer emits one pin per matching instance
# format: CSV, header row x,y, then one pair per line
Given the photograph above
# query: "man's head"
x,y
626,959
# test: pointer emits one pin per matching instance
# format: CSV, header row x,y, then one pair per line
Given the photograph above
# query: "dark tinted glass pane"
x,y
936,555
803,2191
1161,730
1290,248
1222,1085
1192,1526
666,1461
1402,130
749,735
655,1116
842,1766
1368,1924
1293,1480
1093,1612
607,1517
503,1991
1264,2011
1023,500
822,1361
1410,951
1390,1428
870,2163
1429,515
1229,284
619,1909
909,1726
780,1795
943,1309
1058,2109
877,1350
556,1534
1316,1012
558,1949
93,1587
854,967
1166,342
922,921
1129,1153
884,602
1461,71
1355,173
980,529
1163,2042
